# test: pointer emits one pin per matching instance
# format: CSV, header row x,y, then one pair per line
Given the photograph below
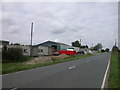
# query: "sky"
x,y
65,22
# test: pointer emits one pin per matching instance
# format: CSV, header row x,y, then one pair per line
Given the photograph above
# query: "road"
x,y
82,73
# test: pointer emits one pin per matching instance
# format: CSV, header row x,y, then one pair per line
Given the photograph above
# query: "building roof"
x,y
50,43
2,42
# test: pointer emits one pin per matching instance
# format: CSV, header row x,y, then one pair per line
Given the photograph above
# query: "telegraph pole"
x,y
80,44
92,44
115,42
31,39
80,41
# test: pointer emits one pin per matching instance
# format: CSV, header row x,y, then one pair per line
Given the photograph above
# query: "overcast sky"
x,y
62,22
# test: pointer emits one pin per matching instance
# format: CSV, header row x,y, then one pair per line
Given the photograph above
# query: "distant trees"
x,y
16,44
97,47
107,50
76,43
84,46
115,49
102,50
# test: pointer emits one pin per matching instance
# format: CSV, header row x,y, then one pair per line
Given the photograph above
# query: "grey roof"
x,y
3,41
50,42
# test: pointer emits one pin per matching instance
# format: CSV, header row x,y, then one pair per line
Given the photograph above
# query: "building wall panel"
x,y
43,50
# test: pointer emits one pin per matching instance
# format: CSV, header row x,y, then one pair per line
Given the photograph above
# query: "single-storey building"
x,y
36,50
41,50
3,43
45,48
56,46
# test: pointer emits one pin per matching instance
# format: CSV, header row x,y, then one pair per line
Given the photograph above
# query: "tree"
x,y
76,44
107,50
84,46
102,50
4,51
119,51
115,49
16,44
97,47
4,48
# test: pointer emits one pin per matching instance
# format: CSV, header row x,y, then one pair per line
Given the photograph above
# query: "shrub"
x,y
72,56
4,51
12,54
53,58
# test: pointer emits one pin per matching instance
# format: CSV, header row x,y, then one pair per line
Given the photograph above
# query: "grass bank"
x,y
113,74
19,66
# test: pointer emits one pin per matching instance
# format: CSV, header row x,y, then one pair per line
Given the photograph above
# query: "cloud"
x,y
9,25
58,27
13,29
66,22
56,40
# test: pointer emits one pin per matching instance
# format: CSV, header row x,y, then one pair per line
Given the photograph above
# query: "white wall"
x,y
43,50
36,51
64,47
26,49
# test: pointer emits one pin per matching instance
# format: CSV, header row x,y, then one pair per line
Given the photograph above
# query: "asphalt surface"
x,y
83,73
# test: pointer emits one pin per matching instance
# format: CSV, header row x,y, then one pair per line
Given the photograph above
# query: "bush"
x,y
72,56
12,54
102,50
53,58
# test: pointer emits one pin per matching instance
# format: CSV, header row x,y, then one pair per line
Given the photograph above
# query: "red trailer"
x,y
67,52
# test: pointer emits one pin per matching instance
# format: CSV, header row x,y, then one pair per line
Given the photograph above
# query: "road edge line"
x,y
104,79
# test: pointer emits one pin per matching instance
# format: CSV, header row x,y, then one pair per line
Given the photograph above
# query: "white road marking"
x,y
71,67
88,61
104,79
14,88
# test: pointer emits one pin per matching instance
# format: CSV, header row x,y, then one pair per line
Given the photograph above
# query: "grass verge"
x,y
113,74
19,66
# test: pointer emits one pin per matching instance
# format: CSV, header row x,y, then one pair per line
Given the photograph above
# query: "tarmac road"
x,y
82,73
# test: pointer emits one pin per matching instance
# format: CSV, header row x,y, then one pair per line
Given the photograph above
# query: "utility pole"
x,y
115,42
31,39
80,41
92,44
80,44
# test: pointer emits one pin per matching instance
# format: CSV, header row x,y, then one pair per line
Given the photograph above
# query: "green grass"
x,y
0,68
113,74
19,66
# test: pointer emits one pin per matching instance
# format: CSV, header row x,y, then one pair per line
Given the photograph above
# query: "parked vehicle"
x,y
81,52
68,52
70,49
